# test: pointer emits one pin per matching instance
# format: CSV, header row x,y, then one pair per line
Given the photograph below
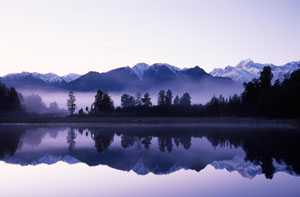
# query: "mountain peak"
x,y
246,70
71,77
139,69
173,69
245,62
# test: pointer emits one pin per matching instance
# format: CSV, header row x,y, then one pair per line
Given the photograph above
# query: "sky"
x,y
77,36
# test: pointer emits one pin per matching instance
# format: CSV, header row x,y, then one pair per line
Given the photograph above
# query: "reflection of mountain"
x,y
157,149
245,168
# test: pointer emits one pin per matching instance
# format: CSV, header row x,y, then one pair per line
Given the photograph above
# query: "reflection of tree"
x,y
186,141
53,133
176,141
165,142
9,142
262,146
71,139
127,141
80,130
102,139
146,141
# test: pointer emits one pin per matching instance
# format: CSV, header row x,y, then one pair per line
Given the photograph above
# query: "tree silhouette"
x,y
185,100
102,103
146,100
71,103
266,78
169,98
138,100
176,101
127,101
161,98
10,100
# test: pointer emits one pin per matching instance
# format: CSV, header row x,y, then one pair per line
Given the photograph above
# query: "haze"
x,y
63,36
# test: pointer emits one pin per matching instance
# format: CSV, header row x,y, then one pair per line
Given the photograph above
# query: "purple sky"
x,y
63,36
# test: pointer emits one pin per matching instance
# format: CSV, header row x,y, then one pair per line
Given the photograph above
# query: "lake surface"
x,y
149,160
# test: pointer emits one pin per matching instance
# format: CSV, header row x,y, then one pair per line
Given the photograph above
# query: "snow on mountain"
x,y
47,78
16,76
70,77
246,70
139,69
246,168
157,66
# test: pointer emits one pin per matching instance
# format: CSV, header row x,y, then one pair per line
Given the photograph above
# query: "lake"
x,y
237,159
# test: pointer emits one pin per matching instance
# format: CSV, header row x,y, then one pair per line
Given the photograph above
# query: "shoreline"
x,y
144,120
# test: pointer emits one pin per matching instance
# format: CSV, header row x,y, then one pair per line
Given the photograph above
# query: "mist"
x,y
200,95
34,104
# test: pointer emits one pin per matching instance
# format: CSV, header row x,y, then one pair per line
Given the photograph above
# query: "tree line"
x,y
260,98
10,101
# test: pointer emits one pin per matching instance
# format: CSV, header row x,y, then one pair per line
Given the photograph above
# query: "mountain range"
x,y
143,77
140,77
246,70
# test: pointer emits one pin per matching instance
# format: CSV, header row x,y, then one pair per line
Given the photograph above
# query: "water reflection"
x,y
160,149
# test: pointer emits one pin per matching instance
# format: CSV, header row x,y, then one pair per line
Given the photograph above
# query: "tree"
x,y
81,112
146,100
168,98
127,101
71,103
177,100
185,100
102,103
266,78
161,98
53,106
10,100
124,100
138,100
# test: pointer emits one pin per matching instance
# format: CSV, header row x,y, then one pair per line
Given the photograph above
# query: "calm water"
x,y
149,160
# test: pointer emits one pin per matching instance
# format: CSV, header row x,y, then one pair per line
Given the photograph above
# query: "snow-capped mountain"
x,y
246,70
139,69
143,77
70,77
49,78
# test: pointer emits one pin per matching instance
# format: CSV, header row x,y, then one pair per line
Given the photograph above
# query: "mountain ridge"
x,y
144,77
247,69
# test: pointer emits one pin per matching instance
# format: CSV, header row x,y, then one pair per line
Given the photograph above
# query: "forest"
x,y
260,98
